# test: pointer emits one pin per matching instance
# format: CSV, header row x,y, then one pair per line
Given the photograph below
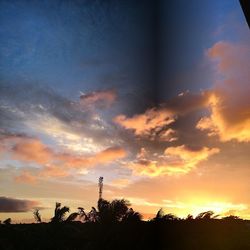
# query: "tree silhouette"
x,y
132,216
161,216
37,216
189,217
92,216
72,217
208,215
7,221
81,215
59,213
231,218
114,211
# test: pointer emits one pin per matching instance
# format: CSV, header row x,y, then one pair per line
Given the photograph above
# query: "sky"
x,y
151,95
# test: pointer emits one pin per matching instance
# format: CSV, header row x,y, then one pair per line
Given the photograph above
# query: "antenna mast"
x,y
100,187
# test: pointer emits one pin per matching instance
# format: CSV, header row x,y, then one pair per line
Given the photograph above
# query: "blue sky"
x,y
75,46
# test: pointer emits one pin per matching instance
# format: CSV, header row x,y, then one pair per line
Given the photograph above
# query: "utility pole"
x,y
100,187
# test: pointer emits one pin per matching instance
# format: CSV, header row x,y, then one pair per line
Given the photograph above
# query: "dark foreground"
x,y
172,235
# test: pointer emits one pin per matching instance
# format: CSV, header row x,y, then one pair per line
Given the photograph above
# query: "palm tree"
x,y
113,211
59,213
132,216
119,208
161,216
72,217
189,217
80,214
208,215
92,216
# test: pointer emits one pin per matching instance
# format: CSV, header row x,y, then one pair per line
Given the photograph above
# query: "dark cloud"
x,y
99,99
25,106
161,123
18,101
12,205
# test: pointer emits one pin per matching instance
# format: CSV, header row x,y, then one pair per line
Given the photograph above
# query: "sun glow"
x,y
221,208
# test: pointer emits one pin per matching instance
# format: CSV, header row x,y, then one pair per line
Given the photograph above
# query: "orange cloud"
x,y
147,124
54,164
103,157
155,123
108,155
34,150
26,177
30,149
188,156
53,171
177,160
229,102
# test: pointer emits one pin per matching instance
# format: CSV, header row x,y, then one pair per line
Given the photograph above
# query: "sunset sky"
x,y
153,97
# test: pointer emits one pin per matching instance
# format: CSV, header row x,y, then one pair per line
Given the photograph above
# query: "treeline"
x,y
115,225
117,210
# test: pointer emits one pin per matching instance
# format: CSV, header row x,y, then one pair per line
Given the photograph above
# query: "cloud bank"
x,y
229,102
12,205
53,163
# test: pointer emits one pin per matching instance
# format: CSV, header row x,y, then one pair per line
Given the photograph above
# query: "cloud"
x,y
155,123
45,172
41,112
229,101
176,161
185,158
32,150
121,182
148,124
10,205
80,162
99,99
54,164
26,177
